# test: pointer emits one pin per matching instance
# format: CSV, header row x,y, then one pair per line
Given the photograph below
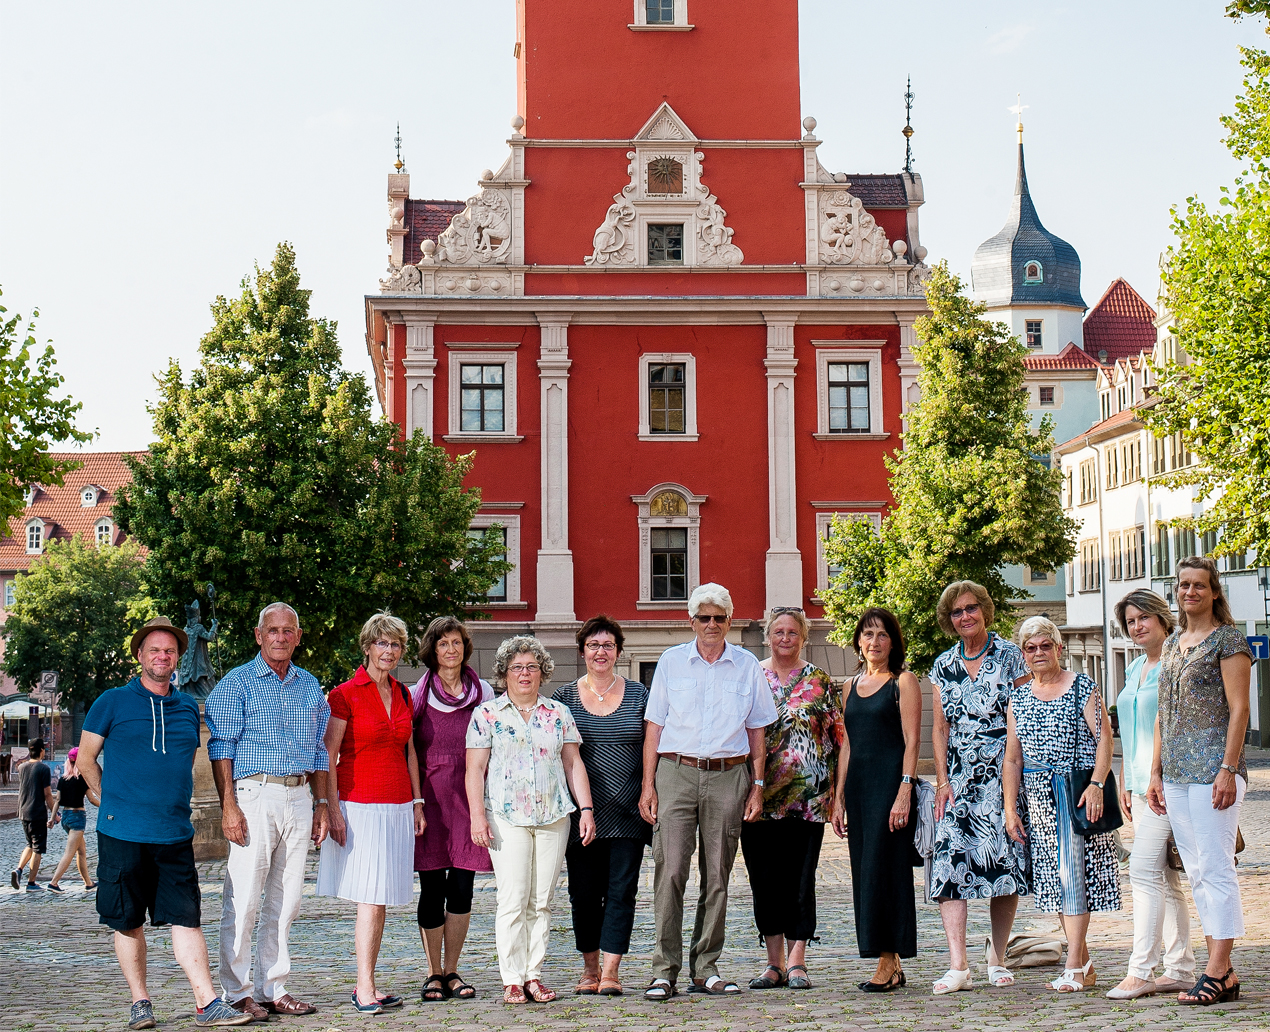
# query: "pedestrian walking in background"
x,y
974,858
368,854
1198,772
522,768
882,712
705,754
1057,725
604,875
267,719
35,800
145,735
72,789
445,856
782,848
1161,917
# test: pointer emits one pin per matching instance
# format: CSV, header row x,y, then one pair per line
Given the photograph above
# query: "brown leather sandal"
x,y
611,987
588,985
288,1004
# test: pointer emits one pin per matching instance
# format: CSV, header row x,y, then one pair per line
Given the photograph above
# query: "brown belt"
x,y
723,763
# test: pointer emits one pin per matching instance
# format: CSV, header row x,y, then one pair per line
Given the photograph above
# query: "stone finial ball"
x,y
900,248
429,247
486,174
809,123
518,123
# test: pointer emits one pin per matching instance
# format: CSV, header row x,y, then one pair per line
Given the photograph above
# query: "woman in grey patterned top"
x,y
1198,774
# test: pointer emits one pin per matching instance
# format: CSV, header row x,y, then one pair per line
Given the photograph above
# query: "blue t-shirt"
x,y
147,763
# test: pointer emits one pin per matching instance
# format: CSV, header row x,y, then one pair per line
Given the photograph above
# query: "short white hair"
x,y
1039,627
273,607
710,595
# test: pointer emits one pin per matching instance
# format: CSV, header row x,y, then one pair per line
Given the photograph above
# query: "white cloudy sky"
x,y
150,153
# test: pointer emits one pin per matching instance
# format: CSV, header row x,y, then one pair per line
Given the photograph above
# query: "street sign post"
x,y
1260,645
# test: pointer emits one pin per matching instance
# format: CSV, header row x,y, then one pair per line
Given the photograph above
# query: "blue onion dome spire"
x,y
1025,263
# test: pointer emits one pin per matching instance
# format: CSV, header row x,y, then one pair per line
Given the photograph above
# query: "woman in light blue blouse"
x,y
1161,921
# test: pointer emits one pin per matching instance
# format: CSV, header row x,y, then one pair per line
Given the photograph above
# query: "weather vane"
x,y
908,126
399,164
1018,108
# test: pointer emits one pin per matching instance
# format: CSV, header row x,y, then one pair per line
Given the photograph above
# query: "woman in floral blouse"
x,y
782,848
522,766
1198,773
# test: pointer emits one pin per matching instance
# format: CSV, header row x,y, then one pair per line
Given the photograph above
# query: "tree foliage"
x,y
971,493
1216,279
31,419
74,612
270,477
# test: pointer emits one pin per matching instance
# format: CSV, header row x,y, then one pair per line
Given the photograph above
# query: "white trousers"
x,y
1206,841
1161,919
527,865
271,864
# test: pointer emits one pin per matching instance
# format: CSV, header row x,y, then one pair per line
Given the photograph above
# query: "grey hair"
x,y
710,595
1037,627
799,617
515,646
273,606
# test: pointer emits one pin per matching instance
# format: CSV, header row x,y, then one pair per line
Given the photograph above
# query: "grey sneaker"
x,y
142,1015
218,1012
34,887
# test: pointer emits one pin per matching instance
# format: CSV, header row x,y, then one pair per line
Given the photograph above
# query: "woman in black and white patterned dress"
x,y
974,857
1058,724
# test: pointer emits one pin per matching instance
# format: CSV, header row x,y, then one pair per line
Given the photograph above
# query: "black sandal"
x,y
462,991
768,983
1209,990
896,981
437,993
798,981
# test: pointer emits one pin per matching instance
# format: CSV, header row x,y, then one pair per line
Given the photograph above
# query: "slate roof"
x,y
60,507
1071,357
997,270
1121,323
426,220
878,191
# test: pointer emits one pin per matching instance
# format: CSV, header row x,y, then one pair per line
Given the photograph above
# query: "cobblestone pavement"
x,y
57,968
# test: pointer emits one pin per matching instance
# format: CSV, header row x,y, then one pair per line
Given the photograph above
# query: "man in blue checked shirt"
x,y
267,719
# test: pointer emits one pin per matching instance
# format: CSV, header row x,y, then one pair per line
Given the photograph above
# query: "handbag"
x,y
1174,859
1078,780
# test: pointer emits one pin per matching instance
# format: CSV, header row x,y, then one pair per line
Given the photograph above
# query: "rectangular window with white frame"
x,y
482,395
667,397
849,390
10,593
824,531
660,14
504,593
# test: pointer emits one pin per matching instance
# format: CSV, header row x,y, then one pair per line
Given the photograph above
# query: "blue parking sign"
x,y
1260,645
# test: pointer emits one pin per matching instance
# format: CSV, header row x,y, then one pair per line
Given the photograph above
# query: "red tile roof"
x,y
1071,357
1121,323
426,220
62,509
1120,418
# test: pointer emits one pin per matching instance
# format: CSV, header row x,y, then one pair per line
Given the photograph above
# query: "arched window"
x,y
669,546
35,537
88,497
105,532
1033,272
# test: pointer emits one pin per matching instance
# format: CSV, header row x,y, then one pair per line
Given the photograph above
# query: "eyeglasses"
x,y
601,646
524,668
969,610
720,619
387,646
778,610
1043,646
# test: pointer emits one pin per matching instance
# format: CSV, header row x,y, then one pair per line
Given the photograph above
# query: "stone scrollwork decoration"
x,y
404,280
615,239
480,234
714,239
849,235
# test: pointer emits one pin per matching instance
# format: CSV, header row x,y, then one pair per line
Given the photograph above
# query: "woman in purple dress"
x,y
445,856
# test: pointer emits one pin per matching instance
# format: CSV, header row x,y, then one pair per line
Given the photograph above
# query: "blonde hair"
x,y
797,615
948,599
1148,602
382,625
1221,608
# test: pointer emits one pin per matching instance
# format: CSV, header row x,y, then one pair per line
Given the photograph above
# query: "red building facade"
x,y
676,342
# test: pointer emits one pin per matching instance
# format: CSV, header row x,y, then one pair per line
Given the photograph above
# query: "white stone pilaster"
x,y
420,364
784,566
909,368
555,560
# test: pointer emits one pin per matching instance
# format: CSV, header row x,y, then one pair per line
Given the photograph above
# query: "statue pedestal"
x,y
209,840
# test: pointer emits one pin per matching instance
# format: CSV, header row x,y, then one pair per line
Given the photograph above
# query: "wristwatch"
x,y
758,782
907,779
1227,766
317,801
1100,785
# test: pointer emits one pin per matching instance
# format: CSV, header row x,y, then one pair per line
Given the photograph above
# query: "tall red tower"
x,y
676,342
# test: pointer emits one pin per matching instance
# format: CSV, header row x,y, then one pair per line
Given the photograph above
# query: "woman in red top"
x,y
369,856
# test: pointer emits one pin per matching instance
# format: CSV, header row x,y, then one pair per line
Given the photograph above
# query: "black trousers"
x,y
444,891
603,881
781,858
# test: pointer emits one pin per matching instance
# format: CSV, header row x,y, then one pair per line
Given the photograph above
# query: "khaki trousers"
x,y
695,808
526,862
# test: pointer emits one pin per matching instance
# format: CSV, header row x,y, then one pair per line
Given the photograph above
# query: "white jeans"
x,y
1206,841
526,868
1161,919
279,825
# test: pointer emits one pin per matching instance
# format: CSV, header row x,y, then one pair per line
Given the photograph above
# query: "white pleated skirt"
x,y
376,862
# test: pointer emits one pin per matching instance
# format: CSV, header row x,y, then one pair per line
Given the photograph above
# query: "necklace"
x,y
970,659
525,710
590,683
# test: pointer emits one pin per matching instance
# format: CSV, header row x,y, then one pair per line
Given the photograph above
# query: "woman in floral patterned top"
x,y
523,765
1198,774
782,848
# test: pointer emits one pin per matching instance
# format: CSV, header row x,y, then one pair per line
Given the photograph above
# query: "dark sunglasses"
x,y
720,620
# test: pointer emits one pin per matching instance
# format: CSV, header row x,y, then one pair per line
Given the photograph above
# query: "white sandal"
x,y
1075,980
1000,976
953,981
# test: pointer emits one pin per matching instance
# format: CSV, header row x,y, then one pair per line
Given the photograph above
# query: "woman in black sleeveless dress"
x,y
882,713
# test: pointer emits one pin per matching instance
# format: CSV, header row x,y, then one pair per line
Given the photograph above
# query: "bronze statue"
x,y
195,675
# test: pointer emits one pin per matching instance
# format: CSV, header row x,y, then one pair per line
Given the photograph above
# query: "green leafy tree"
x,y
31,419
270,477
971,492
74,612
1216,280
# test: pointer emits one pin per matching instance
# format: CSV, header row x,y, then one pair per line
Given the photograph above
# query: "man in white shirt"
x,y
704,756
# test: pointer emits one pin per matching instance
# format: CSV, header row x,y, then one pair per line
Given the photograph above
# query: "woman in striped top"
x,y
604,876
